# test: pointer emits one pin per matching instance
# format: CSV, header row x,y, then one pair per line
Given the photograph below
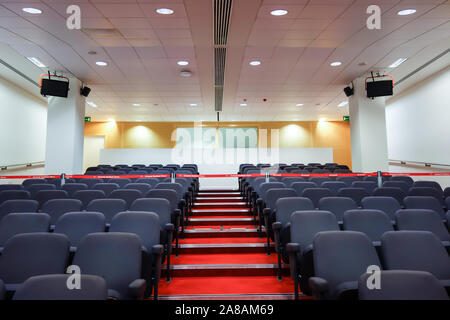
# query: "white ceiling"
x,y
295,51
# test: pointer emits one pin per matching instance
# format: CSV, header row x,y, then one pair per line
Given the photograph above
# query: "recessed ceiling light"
x,y
36,62
193,104
255,63
406,12
183,63
398,62
111,120
299,105
185,73
322,120
32,10
278,12
336,64
164,11
295,119
243,104
136,104
101,63
93,105
343,104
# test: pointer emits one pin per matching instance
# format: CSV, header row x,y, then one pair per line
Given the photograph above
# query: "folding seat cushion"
x,y
348,180
427,192
369,186
299,187
403,285
428,184
107,188
350,253
388,205
334,186
423,220
75,225
57,207
15,223
35,188
28,182
116,257
430,203
357,194
143,188
120,182
397,184
406,179
14,195
304,226
108,207
46,195
90,182
54,287
31,254
4,187
416,250
129,195
86,196
374,223
337,205
11,206
71,188
316,194
319,180
151,181
396,193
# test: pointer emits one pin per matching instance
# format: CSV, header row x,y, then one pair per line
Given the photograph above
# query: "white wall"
x,y
23,124
418,122
91,151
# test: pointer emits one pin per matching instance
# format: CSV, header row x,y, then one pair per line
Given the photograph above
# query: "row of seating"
x,y
138,169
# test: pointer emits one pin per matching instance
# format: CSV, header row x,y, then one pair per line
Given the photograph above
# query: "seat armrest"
x,y
169,227
2,290
158,249
177,212
259,201
276,226
267,212
182,202
137,289
319,287
293,247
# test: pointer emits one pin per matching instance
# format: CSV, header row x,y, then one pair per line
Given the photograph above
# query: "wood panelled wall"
x,y
307,134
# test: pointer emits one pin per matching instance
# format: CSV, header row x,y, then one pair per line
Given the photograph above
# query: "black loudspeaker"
x,y
55,88
380,89
85,91
349,91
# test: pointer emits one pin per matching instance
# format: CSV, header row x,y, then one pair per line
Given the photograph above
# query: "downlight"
x,y
406,12
32,10
279,12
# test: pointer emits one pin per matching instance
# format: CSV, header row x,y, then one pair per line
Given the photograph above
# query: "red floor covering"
x,y
224,258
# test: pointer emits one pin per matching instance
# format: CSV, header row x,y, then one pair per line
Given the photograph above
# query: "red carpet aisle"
x,y
222,256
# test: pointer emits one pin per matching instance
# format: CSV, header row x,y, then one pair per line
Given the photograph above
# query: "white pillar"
x,y
65,132
368,131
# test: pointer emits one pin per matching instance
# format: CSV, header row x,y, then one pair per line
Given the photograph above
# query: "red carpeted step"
x,y
218,199
223,240
222,226
226,212
208,248
226,233
208,221
220,206
220,258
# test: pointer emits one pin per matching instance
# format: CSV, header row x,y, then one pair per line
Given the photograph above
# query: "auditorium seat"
x,y
348,180
428,184
319,180
430,203
106,187
338,170
299,187
29,182
388,205
55,208
349,253
334,186
369,186
14,195
129,195
75,225
117,258
403,285
315,194
120,182
151,181
35,188
46,195
143,188
86,196
427,192
396,193
89,182
54,287
337,206
182,198
71,188
397,184
406,179
357,194
304,226
108,207
24,206
4,187
446,193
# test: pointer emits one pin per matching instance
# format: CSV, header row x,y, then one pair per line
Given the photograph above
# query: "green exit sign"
x,y
346,118
87,119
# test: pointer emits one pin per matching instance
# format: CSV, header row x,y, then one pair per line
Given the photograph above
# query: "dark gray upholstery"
x,y
337,205
406,179
31,254
427,192
397,184
348,180
334,186
396,193
90,182
388,205
14,195
374,223
142,187
159,206
430,203
54,287
369,186
57,207
129,195
299,187
422,220
270,185
316,194
107,188
319,180
120,182
357,194
446,193
287,205
272,195
75,225
11,206
109,207
114,256
46,195
403,285
290,180
71,188
169,195
15,223
29,182
151,181
86,196
4,187
340,258
428,184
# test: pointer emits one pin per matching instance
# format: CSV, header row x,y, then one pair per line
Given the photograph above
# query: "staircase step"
x,y
220,221
217,233
227,212
218,199
225,270
218,191
218,194
234,240
224,248
222,205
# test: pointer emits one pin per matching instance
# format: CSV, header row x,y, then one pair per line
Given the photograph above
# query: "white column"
x,y
65,132
368,131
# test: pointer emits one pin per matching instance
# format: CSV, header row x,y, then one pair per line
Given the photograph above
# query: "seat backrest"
x,y
269,185
306,224
272,195
349,252
75,225
369,186
142,187
29,182
430,203
151,181
178,188
320,180
357,194
315,194
14,195
299,187
90,182
348,180
71,188
289,180
388,205
46,195
409,181
16,223
57,207
337,205
31,254
428,184
108,207
426,192
371,222
446,193
4,187
397,184
333,186
107,188
422,220
288,205
54,287
86,196
159,206
395,193
119,181
129,195
11,206
403,285
169,195
415,250
321,171
114,256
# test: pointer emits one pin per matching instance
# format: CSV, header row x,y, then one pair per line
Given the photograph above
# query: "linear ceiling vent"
x,y
222,15
97,33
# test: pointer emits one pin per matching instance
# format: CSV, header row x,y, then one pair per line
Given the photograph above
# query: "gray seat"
x,y
57,207
11,206
429,203
75,225
408,180
427,192
129,195
319,180
299,187
396,193
349,253
316,194
117,258
108,207
107,188
14,195
86,196
397,184
151,181
373,223
348,180
334,186
337,205
403,285
46,195
142,187
369,186
388,205
90,182
120,181
71,188
357,194
428,184
54,287
4,187
29,182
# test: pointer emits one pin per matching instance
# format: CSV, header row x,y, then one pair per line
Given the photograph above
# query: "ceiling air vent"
x,y
101,33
